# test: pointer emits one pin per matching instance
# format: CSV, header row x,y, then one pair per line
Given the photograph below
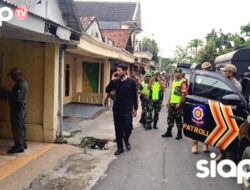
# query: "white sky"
x,y
176,22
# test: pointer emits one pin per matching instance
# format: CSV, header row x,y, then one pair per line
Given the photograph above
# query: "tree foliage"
x,y
195,44
151,46
181,54
217,43
167,65
246,29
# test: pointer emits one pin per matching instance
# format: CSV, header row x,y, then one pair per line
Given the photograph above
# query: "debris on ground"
x,y
93,143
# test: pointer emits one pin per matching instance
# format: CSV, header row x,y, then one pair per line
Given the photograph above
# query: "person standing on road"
x,y
207,66
229,71
176,99
17,103
125,107
146,103
157,87
112,94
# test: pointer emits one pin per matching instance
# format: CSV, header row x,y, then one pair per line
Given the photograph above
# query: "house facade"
x,y
88,65
36,46
64,57
120,22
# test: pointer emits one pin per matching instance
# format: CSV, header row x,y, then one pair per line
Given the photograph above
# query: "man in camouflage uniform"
x,y
146,103
176,98
157,87
17,103
229,71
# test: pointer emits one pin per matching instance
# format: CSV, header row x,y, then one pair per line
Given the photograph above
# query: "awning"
x,y
91,47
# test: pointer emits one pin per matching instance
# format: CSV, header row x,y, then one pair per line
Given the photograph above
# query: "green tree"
x,y
151,46
246,29
208,53
181,54
194,45
219,43
167,64
247,43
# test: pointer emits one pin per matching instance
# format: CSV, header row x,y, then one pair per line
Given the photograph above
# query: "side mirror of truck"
x,y
231,99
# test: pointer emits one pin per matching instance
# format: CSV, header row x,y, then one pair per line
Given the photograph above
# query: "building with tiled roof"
x,y
70,17
120,37
111,15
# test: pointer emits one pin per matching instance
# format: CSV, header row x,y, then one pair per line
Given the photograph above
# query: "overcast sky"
x,y
176,22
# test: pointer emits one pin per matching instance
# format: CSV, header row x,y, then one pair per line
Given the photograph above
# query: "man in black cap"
x,y
17,102
125,106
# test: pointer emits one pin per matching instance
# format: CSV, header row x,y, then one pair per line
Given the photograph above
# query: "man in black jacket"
x,y
125,107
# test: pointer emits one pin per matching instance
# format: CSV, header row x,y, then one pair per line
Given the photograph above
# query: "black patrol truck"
x,y
216,112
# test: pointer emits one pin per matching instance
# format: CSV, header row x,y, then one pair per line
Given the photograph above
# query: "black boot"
x,y
148,127
179,134
128,146
118,152
155,125
15,150
168,133
142,122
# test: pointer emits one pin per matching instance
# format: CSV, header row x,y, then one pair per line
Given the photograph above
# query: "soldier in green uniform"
x,y
157,87
176,98
146,103
17,102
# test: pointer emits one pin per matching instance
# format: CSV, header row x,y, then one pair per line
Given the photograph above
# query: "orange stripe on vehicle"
x,y
221,126
233,128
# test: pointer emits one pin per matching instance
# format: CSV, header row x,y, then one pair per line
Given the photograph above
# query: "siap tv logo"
x,y
6,13
239,171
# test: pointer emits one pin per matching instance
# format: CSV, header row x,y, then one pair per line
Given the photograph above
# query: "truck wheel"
x,y
246,180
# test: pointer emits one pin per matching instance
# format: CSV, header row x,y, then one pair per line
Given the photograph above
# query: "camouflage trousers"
x,y
154,111
146,105
174,115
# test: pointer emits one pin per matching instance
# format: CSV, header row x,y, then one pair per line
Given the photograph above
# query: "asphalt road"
x,y
157,163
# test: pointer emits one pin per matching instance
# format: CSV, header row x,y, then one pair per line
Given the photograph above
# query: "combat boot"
x,y
155,125
148,127
221,156
195,147
168,133
142,122
205,148
179,135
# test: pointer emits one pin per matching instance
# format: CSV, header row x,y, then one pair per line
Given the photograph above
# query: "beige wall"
x,y
93,30
37,61
69,60
75,76
75,62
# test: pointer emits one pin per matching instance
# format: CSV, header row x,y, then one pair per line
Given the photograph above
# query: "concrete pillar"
x,y
50,92
74,78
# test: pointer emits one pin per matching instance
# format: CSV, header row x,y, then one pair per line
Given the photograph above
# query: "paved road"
x,y
157,163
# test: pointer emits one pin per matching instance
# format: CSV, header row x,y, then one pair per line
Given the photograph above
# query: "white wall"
x,y
94,30
53,11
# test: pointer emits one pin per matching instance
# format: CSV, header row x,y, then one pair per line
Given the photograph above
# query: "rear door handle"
x,y
191,104
237,118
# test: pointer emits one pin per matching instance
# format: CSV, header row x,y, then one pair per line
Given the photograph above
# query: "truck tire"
x,y
246,180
